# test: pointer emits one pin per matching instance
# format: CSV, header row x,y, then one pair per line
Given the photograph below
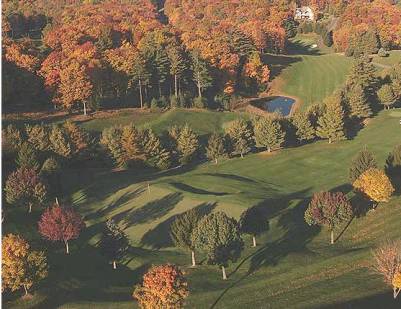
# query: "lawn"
x,y
293,266
202,121
393,58
308,74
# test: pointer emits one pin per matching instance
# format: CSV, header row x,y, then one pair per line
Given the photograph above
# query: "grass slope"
x,y
309,74
293,266
202,121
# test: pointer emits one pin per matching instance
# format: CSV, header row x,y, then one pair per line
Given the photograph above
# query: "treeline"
x,y
123,54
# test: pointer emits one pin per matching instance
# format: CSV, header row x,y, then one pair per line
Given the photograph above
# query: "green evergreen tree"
x,y
156,155
393,166
38,136
200,73
111,140
253,222
114,242
178,64
215,148
386,96
27,157
187,144
59,143
219,237
12,139
304,129
131,143
395,76
358,103
181,230
240,135
268,133
363,161
161,63
331,123
363,73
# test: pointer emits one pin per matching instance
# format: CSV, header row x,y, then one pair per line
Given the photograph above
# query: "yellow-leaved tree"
x,y
397,283
21,266
375,185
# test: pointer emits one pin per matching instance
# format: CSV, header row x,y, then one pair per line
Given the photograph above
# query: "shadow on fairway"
x,y
187,188
149,212
86,276
297,235
383,300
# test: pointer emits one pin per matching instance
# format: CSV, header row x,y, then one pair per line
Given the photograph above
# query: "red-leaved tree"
x,y
60,224
330,209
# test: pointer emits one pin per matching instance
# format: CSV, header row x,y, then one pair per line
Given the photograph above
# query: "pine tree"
x,y
241,137
305,131
393,166
131,143
77,137
156,155
38,136
177,64
268,133
363,161
363,73
358,103
181,230
162,67
200,73
114,242
59,142
395,76
331,123
111,140
187,144
215,148
27,157
386,96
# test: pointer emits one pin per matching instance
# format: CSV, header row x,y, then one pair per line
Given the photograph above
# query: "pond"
x,y
279,104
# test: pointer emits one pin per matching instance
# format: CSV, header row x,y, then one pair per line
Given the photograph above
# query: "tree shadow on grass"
x,y
159,237
86,276
382,300
187,188
277,63
124,198
297,235
151,211
230,176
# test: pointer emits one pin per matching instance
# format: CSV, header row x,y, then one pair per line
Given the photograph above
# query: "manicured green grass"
x,y
293,266
202,121
393,58
310,74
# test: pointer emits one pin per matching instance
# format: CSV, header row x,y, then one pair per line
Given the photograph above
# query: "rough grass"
x,y
293,266
393,58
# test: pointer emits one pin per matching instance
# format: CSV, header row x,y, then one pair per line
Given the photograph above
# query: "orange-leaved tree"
x,y
163,287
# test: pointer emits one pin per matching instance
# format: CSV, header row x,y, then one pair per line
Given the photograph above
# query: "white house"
x,y
304,13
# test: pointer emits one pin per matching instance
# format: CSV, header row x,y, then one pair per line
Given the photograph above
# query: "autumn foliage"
x,y
163,287
375,185
330,209
21,266
60,224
